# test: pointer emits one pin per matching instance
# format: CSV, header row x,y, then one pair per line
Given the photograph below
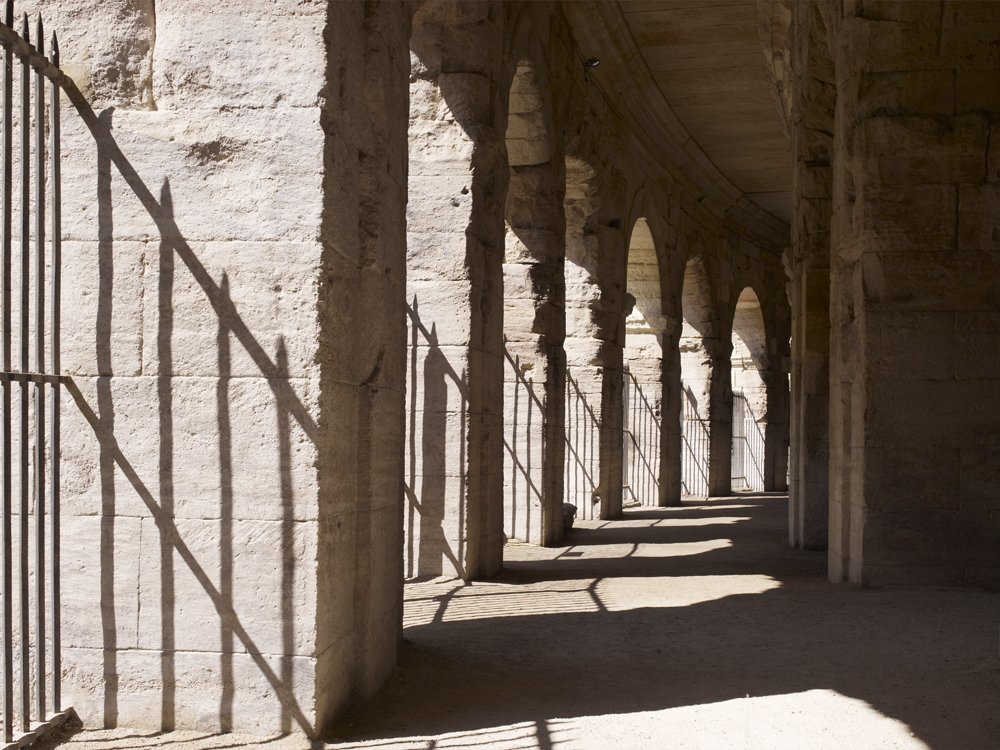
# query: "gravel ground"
x,y
680,628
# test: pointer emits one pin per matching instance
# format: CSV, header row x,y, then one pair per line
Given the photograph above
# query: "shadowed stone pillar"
x,y
595,328
915,347
457,185
814,91
534,314
534,327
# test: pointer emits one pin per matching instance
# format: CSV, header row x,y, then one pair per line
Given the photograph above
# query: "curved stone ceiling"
x,y
705,57
693,78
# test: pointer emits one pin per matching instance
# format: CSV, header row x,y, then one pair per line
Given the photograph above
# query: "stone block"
x,y
213,176
917,345
139,698
909,476
180,453
433,256
95,549
269,55
915,151
977,91
445,311
979,218
268,600
243,291
979,471
908,92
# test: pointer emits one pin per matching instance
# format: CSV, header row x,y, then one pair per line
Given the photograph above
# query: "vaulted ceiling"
x,y
697,74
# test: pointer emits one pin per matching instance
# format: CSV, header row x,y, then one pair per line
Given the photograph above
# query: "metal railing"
x,y
695,447
582,464
641,445
36,671
748,447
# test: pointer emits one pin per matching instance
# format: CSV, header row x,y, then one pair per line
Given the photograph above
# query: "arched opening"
x,y
534,321
748,360
644,327
696,379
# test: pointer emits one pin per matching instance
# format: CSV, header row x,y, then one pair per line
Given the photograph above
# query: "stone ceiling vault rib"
x,y
601,31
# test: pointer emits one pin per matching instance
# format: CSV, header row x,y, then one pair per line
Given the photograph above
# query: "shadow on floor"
x,y
693,605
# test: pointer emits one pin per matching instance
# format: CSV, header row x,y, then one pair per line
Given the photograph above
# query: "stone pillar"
x,y
595,281
720,416
706,367
776,431
814,91
454,286
232,445
671,436
535,367
916,349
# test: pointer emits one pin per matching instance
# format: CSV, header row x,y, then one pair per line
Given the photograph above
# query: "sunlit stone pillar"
x,y
458,178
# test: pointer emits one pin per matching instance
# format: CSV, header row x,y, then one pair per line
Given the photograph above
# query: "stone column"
x,y
916,325
455,235
535,370
720,416
595,280
814,91
232,438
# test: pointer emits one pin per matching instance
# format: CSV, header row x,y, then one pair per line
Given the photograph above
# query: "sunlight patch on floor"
x,y
623,594
427,603
816,719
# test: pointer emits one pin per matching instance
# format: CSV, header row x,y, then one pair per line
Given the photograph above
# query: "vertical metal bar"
x,y
56,369
40,387
25,322
8,561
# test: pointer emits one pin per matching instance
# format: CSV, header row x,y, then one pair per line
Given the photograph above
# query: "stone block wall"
x,y
234,262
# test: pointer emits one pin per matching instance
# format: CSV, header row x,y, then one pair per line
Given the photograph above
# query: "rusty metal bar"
x,y
40,387
54,126
8,562
34,58
25,325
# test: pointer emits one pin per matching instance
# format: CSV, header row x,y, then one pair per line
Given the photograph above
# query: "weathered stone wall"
x,y
233,324
891,121
913,303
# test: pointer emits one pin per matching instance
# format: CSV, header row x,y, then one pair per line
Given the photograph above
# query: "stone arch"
x,y
750,351
643,359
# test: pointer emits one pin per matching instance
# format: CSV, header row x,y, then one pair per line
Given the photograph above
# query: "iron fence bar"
x,y
8,563
29,55
25,263
54,128
40,619
32,377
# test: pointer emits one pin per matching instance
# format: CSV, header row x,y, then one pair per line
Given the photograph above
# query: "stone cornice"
x,y
601,31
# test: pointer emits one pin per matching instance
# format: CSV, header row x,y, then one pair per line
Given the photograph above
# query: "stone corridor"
x,y
685,627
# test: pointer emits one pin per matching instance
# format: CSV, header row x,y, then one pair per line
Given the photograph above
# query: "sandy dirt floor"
x,y
677,628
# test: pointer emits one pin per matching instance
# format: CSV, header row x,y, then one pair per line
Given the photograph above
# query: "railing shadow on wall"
x,y
695,439
748,447
523,420
641,444
426,545
289,407
583,436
